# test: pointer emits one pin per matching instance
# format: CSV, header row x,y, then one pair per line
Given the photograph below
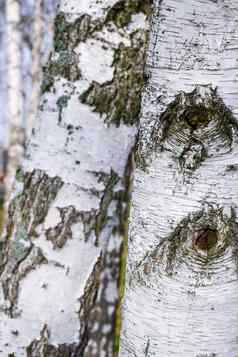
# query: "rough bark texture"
x,y
182,284
67,218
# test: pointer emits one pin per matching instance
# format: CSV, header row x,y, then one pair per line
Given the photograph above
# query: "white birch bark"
x,y
182,284
60,252
14,88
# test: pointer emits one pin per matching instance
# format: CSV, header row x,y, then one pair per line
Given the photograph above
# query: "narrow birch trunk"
x,y
36,70
61,251
182,285
15,91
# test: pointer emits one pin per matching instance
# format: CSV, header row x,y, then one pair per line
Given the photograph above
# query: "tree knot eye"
x,y
196,116
206,239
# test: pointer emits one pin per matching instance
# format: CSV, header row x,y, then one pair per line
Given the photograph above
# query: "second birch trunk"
x,y
182,283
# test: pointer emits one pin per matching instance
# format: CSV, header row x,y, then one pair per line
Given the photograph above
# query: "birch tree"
x,y
26,36
37,27
14,92
36,65
182,284
60,252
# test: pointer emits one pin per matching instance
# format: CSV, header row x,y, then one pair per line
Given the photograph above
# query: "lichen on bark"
x,y
122,12
62,103
64,62
60,65
26,212
68,34
119,100
31,205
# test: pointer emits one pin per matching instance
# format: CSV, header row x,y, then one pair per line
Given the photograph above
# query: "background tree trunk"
x,y
14,93
67,218
182,284
36,66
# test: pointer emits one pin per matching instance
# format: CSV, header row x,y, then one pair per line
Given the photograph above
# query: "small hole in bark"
x,y
206,240
196,117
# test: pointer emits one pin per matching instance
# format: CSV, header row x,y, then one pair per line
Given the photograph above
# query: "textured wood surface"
x,y
181,300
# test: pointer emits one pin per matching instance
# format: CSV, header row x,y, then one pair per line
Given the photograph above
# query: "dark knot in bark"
x,y
206,239
195,126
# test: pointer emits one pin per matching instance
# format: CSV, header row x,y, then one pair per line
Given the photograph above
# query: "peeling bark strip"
x,y
182,282
68,215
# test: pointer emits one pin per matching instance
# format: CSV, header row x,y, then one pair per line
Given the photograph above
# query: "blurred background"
x,y
26,33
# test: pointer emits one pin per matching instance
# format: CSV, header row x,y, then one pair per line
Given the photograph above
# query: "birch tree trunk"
x,y
15,92
36,70
182,285
60,255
